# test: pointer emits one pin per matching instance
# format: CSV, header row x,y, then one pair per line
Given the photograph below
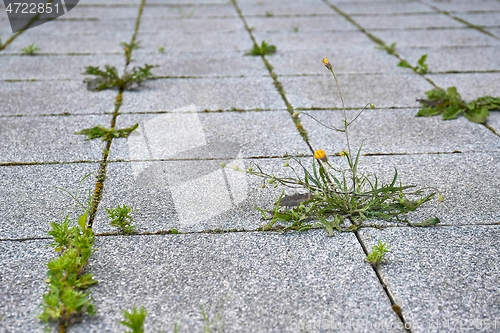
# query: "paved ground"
x,y
212,104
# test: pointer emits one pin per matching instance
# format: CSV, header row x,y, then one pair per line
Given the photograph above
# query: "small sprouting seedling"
x,y
269,14
296,29
391,49
378,253
106,133
209,325
30,49
184,14
65,278
420,68
161,49
109,77
120,218
449,103
134,320
263,49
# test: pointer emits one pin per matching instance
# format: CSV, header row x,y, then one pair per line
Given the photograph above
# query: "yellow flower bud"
x,y
320,154
372,106
327,63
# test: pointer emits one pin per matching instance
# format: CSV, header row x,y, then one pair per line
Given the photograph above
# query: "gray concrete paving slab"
x,y
437,38
104,12
63,67
300,24
191,25
303,279
466,6
211,94
444,278
49,139
277,8
23,274
99,42
84,25
53,97
301,41
470,86
494,121
398,131
459,59
468,182
210,64
194,42
385,90
162,192
395,7
30,198
408,21
189,10
191,135
366,61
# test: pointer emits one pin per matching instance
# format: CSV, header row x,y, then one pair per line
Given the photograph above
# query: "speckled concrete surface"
x,y
210,103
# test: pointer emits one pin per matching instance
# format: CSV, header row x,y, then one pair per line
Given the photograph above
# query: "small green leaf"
x,y
477,115
82,220
404,63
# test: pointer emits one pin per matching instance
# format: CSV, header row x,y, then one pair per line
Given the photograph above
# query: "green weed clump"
x,y
134,320
450,105
106,133
421,67
66,279
377,256
120,218
338,199
109,78
263,49
30,49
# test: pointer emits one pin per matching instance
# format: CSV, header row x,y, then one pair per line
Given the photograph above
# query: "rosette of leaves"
x,y
450,105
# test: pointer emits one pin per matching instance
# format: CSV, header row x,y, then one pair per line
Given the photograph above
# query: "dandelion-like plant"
x,y
341,199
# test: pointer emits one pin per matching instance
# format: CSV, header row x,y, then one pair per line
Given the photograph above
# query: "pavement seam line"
x,y
461,20
394,53
101,173
277,84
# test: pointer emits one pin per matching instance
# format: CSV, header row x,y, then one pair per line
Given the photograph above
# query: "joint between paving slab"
x,y
458,19
277,84
395,307
101,173
375,39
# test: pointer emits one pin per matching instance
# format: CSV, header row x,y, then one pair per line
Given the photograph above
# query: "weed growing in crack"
x,y
263,49
30,49
450,105
420,68
390,49
106,133
65,277
120,218
338,199
377,255
134,320
109,78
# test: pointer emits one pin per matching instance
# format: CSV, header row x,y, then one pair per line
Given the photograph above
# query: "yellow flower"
x,y
343,153
327,63
320,154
